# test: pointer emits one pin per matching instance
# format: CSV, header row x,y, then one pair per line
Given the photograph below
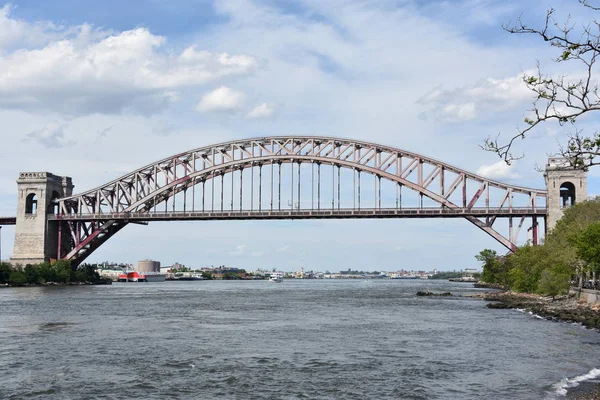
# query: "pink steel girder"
x,y
139,191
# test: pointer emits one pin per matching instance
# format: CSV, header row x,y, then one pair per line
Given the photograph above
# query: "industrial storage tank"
x,y
148,266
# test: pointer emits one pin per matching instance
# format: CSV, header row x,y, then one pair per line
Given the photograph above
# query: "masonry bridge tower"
x,y
565,186
36,238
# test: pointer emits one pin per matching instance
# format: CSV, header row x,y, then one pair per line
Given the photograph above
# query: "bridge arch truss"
x,y
320,177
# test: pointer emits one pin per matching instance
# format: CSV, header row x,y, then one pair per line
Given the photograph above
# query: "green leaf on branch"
x,y
531,80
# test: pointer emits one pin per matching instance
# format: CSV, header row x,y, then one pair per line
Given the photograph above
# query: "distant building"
x,y
112,274
470,271
148,266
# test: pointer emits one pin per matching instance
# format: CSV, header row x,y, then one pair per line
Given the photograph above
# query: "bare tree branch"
x,y
587,4
560,98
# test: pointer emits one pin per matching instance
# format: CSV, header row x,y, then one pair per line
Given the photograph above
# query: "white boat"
x,y
276,278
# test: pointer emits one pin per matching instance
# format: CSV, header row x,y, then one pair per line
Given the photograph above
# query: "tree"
x,y
553,282
492,269
587,245
207,275
86,273
230,276
31,273
17,277
558,98
560,240
46,273
5,270
63,271
526,266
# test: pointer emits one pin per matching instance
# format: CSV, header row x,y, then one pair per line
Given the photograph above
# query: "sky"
x,y
94,90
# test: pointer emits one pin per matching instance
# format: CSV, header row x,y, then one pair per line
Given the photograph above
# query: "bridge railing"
x,y
310,213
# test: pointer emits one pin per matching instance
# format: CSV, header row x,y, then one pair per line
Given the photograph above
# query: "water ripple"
x,y
299,340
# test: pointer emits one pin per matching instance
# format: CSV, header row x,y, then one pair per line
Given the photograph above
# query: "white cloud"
x,y
10,29
469,102
498,170
459,112
263,110
15,32
51,136
222,99
258,253
98,72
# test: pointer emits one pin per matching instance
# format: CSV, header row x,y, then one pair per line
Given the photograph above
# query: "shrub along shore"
x,y
43,274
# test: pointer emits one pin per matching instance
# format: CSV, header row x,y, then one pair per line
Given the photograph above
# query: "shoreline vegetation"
x,y
538,279
569,257
46,274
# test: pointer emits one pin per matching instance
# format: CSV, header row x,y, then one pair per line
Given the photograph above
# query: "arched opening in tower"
x,y
31,204
567,195
53,206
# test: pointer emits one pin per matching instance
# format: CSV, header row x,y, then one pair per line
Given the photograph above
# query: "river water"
x,y
300,339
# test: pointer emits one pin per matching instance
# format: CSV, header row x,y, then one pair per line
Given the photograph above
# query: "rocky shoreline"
x,y
584,391
563,308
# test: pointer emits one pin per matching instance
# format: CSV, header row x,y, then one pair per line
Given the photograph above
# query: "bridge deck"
x,y
309,214
8,221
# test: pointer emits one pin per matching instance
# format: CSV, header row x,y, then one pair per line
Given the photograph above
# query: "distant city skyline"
x,y
95,91
164,268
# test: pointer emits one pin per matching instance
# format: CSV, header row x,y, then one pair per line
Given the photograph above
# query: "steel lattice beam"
x,y
95,215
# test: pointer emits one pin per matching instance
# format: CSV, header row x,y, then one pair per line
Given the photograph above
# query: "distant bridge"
x,y
287,178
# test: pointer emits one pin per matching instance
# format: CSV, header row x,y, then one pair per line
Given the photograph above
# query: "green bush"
x,y
17,278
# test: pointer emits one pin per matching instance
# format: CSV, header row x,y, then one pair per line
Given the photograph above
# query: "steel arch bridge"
x,y
320,177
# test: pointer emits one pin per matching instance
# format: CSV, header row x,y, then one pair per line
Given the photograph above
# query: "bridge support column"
x,y
565,185
36,238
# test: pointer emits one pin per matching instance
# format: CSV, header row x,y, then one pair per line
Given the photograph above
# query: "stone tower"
x,y
36,238
565,185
